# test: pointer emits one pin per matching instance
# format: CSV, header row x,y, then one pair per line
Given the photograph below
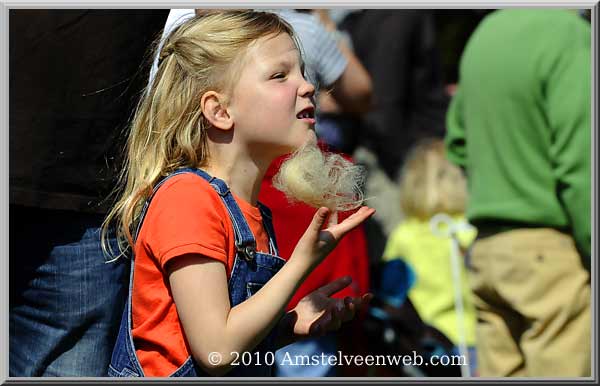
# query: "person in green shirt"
x,y
519,125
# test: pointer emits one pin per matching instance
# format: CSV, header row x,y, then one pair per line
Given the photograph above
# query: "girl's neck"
x,y
241,173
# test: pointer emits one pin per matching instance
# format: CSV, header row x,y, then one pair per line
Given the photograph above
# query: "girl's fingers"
x,y
349,312
335,286
339,305
341,311
364,300
351,222
358,303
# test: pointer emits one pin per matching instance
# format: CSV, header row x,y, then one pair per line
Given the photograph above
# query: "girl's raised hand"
x,y
317,243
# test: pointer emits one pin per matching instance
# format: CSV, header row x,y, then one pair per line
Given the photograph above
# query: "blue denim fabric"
x,y
250,272
64,316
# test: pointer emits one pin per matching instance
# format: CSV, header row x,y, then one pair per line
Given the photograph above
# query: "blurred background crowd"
x,y
473,126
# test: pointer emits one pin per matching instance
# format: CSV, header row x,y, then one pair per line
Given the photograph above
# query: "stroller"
x,y
393,327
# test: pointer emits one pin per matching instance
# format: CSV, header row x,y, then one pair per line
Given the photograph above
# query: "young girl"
x,y
431,185
208,291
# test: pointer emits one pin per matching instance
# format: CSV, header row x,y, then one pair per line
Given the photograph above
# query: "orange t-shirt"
x,y
185,216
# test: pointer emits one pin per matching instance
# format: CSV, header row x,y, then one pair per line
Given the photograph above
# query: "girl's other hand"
x,y
317,313
317,243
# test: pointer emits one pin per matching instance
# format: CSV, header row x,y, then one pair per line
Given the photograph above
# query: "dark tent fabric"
x,y
75,76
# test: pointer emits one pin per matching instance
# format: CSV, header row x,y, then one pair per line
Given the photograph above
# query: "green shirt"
x,y
520,121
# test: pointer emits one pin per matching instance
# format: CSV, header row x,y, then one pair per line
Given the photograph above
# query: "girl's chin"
x,y
309,140
311,137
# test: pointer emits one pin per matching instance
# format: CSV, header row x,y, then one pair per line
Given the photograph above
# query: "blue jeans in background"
x,y
65,299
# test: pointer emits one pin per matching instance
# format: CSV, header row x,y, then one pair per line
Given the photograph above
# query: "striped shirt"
x,y
324,62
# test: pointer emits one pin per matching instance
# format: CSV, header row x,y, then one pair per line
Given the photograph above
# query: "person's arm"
x,y
455,140
199,288
569,115
352,90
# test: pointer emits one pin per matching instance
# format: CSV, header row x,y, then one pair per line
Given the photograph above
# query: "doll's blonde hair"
x,y
430,184
168,130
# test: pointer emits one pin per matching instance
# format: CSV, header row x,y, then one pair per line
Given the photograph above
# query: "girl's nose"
x,y
306,89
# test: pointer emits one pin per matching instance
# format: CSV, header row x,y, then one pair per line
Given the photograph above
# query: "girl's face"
x,y
271,103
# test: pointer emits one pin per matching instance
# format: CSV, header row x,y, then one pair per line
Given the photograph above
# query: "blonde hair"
x,y
168,130
430,184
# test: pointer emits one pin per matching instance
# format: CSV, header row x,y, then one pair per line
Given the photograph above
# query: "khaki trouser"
x,y
532,296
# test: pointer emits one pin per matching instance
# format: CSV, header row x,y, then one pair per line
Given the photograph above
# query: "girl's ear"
x,y
215,111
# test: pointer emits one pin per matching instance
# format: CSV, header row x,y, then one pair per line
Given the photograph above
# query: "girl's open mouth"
x,y
307,114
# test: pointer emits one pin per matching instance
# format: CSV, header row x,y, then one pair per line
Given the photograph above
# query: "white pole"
x,y
444,225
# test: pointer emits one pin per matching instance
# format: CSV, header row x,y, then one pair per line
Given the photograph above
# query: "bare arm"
x,y
353,89
199,288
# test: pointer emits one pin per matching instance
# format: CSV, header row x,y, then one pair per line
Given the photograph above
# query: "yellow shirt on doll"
x,y
433,292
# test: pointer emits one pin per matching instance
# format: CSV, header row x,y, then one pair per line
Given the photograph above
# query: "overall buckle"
x,y
247,251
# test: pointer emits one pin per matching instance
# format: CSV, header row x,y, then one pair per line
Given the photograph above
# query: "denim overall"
x,y
251,270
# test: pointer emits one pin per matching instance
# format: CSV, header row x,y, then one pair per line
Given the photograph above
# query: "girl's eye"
x,y
279,75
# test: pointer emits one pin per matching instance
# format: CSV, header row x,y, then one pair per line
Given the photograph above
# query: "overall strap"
x,y
268,223
244,239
